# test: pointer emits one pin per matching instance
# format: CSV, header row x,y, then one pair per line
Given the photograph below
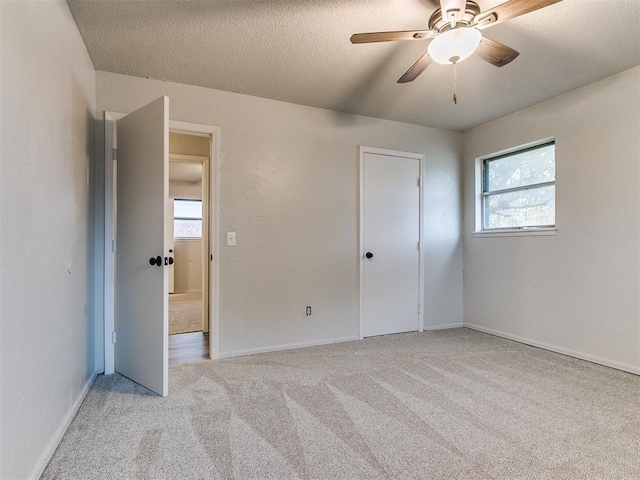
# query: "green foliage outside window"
x,y
519,189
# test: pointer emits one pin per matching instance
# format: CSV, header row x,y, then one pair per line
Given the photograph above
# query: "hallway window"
x,y
187,218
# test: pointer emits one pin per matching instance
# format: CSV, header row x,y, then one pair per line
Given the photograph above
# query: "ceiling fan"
x,y
454,33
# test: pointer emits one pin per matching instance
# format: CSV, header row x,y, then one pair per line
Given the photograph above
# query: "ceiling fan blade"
x,y
373,37
510,9
416,69
496,53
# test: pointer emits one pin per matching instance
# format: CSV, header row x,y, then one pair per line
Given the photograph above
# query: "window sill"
x,y
528,232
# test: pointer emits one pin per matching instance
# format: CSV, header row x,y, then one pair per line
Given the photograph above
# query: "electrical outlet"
x,y
308,311
231,239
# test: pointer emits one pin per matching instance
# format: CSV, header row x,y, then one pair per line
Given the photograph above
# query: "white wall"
x,y
189,144
577,291
188,265
47,342
188,190
289,188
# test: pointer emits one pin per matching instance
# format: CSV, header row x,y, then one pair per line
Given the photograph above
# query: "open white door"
x,y
142,287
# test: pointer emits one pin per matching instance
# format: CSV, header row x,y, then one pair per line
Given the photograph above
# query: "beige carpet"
x,y
453,404
185,312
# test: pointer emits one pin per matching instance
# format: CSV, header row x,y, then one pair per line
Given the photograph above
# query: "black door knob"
x,y
369,255
155,261
168,260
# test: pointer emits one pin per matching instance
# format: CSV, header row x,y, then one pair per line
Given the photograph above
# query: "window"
x,y
187,218
519,189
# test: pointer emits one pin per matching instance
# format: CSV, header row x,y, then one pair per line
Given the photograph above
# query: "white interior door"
x,y
142,288
391,232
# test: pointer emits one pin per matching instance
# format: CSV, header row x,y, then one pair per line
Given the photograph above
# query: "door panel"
x,y
141,288
391,231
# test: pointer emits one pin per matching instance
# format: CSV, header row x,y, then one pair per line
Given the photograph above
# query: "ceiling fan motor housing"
x,y
438,23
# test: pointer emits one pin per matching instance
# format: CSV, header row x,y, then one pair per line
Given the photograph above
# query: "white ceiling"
x,y
298,51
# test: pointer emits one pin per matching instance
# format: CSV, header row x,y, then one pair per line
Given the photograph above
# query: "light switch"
x,y
231,239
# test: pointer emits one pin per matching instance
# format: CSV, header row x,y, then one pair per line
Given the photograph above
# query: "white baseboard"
x,y
53,444
565,351
443,326
289,346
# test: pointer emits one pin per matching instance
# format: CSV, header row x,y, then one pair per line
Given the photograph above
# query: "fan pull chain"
x,y
455,83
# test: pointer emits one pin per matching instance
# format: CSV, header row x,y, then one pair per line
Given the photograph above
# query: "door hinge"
x,y
418,309
418,245
114,154
114,337
418,181
114,245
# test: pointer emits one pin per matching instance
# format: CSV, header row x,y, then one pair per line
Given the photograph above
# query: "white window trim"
x,y
479,199
517,232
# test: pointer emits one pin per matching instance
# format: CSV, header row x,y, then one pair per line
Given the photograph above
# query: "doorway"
x,y
188,240
159,120
391,269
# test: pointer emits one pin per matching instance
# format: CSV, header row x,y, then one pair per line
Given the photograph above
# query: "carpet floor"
x,y
452,404
185,312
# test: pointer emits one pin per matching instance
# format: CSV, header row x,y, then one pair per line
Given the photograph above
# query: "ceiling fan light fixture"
x,y
454,45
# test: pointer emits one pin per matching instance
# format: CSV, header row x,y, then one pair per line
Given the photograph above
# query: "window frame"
x,y
180,199
485,193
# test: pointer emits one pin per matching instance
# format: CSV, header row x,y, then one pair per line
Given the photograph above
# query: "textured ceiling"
x,y
298,51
